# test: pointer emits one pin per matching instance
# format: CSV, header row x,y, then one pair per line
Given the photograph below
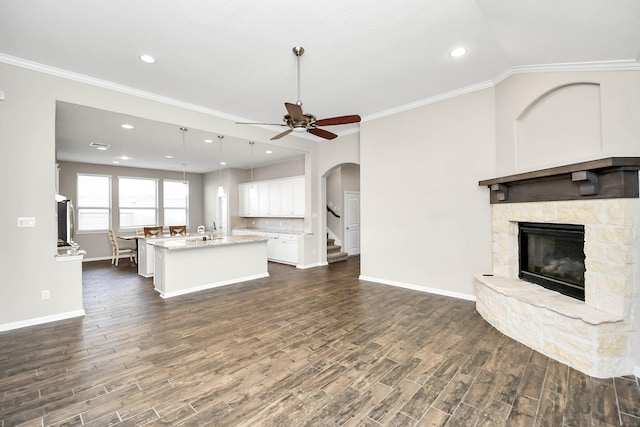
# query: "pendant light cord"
x,y
184,157
220,156
251,145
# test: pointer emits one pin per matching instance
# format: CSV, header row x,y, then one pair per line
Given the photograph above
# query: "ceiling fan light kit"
x,y
298,121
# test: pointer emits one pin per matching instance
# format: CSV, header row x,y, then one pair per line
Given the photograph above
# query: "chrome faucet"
x,y
213,227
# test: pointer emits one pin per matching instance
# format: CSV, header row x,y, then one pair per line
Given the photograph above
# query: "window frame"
x,y
79,208
156,208
185,208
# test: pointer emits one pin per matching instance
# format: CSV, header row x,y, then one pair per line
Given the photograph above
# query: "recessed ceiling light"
x,y
115,162
127,126
269,152
458,52
208,141
169,156
223,163
124,158
147,58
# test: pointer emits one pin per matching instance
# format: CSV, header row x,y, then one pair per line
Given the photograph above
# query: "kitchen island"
x,y
190,265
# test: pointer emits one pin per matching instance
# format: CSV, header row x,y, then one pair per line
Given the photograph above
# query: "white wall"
x,y
620,112
425,221
279,170
27,133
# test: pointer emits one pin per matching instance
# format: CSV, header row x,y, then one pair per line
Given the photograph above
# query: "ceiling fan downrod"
x,y
298,51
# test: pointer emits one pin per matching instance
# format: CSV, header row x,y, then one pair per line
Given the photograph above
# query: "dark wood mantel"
x,y
610,178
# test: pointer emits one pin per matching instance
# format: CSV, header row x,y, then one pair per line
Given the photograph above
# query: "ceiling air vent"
x,y
99,146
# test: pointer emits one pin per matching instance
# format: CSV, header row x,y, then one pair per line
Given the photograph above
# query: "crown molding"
x,y
430,100
619,65
81,78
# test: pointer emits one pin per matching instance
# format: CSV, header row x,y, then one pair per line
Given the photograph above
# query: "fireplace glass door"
x,y
552,255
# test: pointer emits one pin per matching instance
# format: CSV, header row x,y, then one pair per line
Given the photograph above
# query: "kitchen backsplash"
x,y
295,225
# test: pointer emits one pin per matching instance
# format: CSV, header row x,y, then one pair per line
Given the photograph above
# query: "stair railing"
x,y
332,212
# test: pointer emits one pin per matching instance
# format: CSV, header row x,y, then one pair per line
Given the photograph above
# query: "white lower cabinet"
x,y
281,248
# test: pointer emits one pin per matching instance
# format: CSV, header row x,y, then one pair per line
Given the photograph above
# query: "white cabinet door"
x,y
283,249
275,198
254,200
298,197
287,205
243,199
263,199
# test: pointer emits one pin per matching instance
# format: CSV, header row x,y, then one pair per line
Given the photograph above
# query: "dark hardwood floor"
x,y
301,348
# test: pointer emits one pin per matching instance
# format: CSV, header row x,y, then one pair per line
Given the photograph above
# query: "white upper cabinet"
x,y
243,199
263,198
298,197
273,198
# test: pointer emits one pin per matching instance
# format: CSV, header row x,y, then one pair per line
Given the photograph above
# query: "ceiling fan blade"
x,y
341,120
295,111
322,133
280,135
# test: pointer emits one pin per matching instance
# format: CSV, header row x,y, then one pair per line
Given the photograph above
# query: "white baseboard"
x,y
316,264
104,258
40,320
211,285
419,288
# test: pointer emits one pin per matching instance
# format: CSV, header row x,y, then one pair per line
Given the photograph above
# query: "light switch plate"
x,y
26,222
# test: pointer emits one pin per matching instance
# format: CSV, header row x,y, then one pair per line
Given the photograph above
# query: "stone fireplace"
x,y
595,336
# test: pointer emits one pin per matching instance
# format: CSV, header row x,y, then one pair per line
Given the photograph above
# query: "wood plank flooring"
x,y
311,347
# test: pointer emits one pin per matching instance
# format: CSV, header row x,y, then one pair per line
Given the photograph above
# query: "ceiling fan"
x,y
297,121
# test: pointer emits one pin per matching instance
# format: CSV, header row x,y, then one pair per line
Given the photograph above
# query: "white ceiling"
x,y
367,57
149,142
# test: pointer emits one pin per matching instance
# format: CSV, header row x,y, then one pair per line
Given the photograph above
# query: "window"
x,y
94,202
138,199
176,202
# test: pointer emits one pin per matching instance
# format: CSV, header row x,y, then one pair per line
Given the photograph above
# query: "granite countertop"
x,y
69,252
169,236
193,243
269,230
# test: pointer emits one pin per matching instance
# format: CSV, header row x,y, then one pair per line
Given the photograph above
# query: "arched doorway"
x,y
342,195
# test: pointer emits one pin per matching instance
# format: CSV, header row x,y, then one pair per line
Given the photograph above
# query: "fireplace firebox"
x,y
552,255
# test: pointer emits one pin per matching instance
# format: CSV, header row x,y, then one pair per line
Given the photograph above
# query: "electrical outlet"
x,y
45,294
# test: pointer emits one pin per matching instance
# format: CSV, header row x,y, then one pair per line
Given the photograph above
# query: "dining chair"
x,y
116,251
177,230
152,231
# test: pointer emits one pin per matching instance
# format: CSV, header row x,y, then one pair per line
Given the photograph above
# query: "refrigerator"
x,y
65,221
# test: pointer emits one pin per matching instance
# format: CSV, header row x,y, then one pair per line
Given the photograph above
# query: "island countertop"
x,y
193,243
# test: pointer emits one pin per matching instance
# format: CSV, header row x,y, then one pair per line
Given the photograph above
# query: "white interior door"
x,y
352,222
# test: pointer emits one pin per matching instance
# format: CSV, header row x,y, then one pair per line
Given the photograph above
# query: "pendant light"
x,y
220,187
184,160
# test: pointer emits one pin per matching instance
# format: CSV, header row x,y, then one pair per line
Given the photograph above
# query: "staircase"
x,y
334,254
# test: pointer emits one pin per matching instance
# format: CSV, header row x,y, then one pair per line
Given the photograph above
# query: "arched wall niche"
x,y
561,126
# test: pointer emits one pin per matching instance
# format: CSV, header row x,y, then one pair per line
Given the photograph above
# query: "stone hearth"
x,y
595,336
